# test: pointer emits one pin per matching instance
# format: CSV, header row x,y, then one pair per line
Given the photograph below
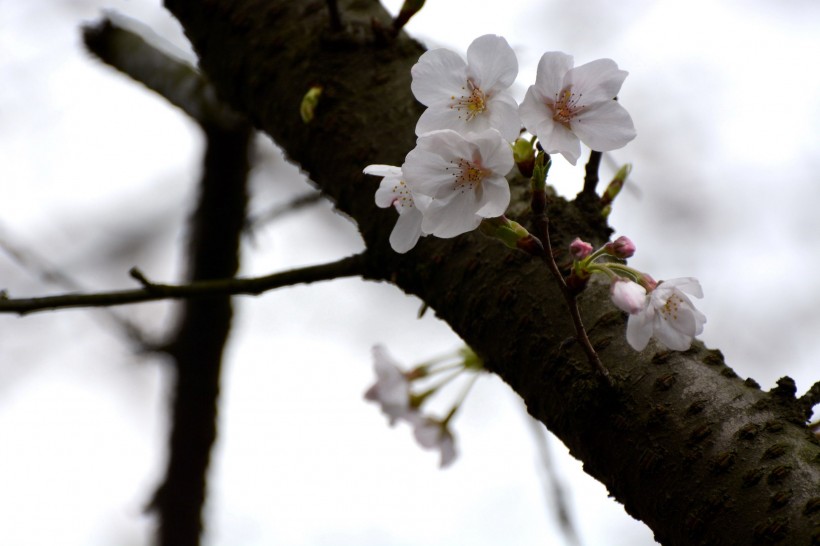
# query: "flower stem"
x,y
542,232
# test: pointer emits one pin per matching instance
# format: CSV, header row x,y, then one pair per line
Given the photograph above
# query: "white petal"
x,y
424,173
441,116
666,333
597,81
534,112
495,152
452,217
491,62
561,141
604,127
439,73
383,170
690,285
639,329
447,446
407,231
553,66
502,114
494,198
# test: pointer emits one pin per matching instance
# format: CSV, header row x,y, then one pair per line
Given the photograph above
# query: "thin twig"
x,y
347,267
38,265
542,232
552,482
276,212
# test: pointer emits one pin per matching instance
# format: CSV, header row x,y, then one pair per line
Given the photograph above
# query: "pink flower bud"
x,y
648,282
628,296
622,247
579,249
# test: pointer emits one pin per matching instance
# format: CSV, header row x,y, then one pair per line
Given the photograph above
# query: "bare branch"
x,y
177,81
351,266
810,399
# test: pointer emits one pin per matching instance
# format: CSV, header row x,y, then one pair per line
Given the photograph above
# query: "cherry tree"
x,y
464,218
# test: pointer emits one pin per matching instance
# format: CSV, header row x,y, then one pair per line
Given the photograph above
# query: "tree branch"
x,y
352,266
692,450
810,399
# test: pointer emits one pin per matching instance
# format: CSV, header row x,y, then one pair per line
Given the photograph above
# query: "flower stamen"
x,y
566,106
467,175
473,104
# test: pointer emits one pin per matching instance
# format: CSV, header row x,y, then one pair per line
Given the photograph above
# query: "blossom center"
x,y
566,107
471,103
468,175
402,198
671,307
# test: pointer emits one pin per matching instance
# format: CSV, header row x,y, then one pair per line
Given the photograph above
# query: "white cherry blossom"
x,y
432,433
463,175
468,96
392,388
567,104
668,315
394,192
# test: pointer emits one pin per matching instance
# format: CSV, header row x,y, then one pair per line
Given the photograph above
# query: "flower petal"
x,y
453,216
438,73
407,231
549,77
491,62
604,127
597,81
502,114
639,328
494,197
561,141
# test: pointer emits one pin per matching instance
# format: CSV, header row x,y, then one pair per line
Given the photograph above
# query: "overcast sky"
x,y
97,176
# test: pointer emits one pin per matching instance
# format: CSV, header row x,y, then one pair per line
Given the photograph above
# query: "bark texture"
x,y
698,454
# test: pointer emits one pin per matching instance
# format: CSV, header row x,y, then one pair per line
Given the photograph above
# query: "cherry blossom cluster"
x,y
455,177
393,391
659,309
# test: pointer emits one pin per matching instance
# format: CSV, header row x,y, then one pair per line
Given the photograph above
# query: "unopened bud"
x,y
627,295
622,247
579,249
524,156
614,187
309,103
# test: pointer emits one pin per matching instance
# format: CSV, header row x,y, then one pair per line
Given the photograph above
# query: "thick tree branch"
x,y
692,450
352,266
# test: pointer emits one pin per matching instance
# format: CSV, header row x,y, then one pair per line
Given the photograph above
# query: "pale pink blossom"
x,y
668,315
569,104
463,175
394,192
392,388
432,433
469,96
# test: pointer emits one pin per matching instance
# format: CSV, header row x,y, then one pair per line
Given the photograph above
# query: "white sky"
x,y
724,97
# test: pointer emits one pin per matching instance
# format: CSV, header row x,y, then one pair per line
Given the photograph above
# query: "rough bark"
x,y
698,454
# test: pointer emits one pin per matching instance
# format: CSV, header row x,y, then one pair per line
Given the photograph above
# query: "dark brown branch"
x,y
810,399
178,82
335,17
204,327
591,173
351,266
692,450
